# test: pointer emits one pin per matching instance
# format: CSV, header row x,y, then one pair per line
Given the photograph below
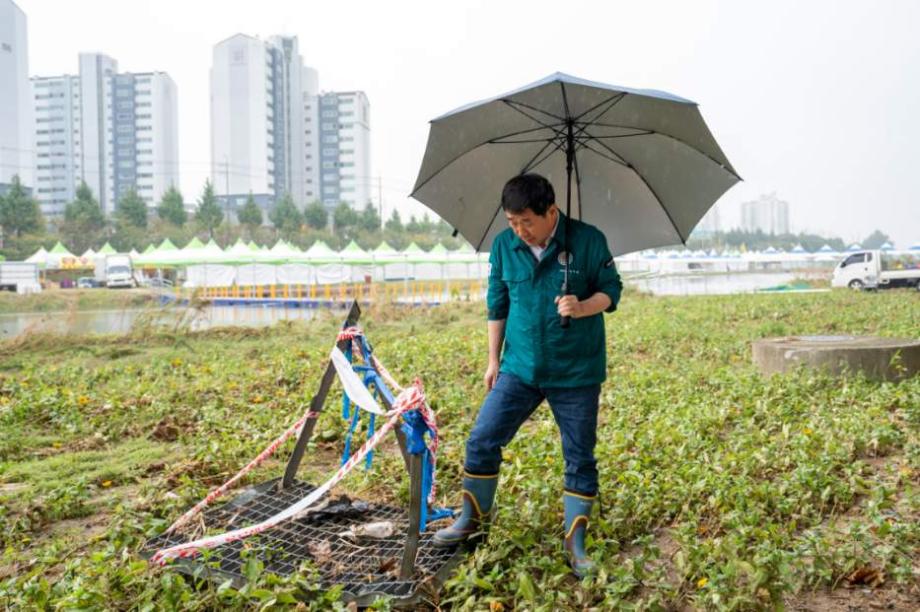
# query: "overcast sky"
x,y
818,101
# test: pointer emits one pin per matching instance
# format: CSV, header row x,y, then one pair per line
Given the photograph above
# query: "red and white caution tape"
x,y
408,399
261,457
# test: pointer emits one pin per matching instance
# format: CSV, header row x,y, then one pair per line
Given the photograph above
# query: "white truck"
x,y
115,271
878,270
19,276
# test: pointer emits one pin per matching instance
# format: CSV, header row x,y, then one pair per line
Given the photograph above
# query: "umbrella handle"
x,y
564,321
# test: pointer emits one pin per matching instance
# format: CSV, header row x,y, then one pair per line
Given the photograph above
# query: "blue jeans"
x,y
511,402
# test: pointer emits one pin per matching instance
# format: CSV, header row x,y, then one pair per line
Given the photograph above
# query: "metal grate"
x,y
366,567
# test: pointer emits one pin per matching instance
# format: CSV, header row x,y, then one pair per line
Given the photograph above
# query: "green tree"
x,y
84,220
875,240
316,216
285,216
131,210
171,208
394,223
413,226
370,220
208,215
344,218
250,214
19,213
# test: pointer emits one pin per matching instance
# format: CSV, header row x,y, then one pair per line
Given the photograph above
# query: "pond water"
x,y
121,321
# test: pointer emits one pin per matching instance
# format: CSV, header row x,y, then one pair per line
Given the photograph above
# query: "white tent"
x,y
39,257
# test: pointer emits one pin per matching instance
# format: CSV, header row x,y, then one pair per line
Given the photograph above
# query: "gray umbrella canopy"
x,y
644,166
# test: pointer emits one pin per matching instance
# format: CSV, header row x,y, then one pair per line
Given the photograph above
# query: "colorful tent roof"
x,y
60,249
107,249
354,254
320,252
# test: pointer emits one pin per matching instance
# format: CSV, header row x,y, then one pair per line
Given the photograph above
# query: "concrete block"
x,y
878,358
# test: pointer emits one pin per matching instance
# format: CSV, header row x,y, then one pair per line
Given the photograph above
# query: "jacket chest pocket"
x,y
578,283
519,283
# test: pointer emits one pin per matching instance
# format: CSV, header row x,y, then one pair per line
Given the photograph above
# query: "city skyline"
x,y
775,104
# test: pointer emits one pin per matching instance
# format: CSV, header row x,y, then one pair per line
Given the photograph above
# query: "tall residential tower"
x,y
258,135
115,131
345,169
273,132
16,145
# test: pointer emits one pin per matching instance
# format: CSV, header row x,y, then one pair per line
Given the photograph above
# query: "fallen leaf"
x,y
868,576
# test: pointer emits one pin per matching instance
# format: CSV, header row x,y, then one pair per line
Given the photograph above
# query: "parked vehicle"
x,y
115,271
19,276
878,270
86,282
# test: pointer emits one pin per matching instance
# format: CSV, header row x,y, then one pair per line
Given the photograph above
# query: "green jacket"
x,y
522,291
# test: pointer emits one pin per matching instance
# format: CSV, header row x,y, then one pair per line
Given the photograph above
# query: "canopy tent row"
x,y
245,263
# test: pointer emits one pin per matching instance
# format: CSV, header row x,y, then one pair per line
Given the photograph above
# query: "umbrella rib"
x,y
676,139
616,156
521,133
614,100
651,189
488,227
642,133
578,186
514,104
528,165
565,101
529,141
531,164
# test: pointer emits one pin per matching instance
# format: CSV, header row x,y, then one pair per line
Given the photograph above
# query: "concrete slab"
x,y
878,358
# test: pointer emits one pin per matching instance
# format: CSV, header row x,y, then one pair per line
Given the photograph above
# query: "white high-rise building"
x,y
258,133
311,135
344,144
115,131
16,147
768,214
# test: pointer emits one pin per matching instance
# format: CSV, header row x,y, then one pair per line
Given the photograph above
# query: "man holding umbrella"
x,y
639,166
541,358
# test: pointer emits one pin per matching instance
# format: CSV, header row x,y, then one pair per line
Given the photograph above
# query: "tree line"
x,y
134,225
760,240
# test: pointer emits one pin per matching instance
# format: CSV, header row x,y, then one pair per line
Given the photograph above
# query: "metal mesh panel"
x,y
364,566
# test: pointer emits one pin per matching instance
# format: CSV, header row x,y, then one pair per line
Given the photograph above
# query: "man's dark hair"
x,y
528,191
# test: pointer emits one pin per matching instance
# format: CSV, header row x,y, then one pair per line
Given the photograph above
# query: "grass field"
x,y
720,489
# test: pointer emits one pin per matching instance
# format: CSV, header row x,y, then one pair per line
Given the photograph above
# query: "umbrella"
x,y
645,166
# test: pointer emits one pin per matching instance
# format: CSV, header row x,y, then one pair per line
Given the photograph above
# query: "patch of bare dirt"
x,y
857,599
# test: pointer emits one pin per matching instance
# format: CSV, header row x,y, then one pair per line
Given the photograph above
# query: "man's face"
x,y
532,228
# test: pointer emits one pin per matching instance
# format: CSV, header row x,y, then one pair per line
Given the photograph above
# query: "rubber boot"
x,y
478,494
577,513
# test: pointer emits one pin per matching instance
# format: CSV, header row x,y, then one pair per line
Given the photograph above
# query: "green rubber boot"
x,y
478,495
577,513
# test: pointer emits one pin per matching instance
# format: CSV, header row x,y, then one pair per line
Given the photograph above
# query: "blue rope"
x,y
413,426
